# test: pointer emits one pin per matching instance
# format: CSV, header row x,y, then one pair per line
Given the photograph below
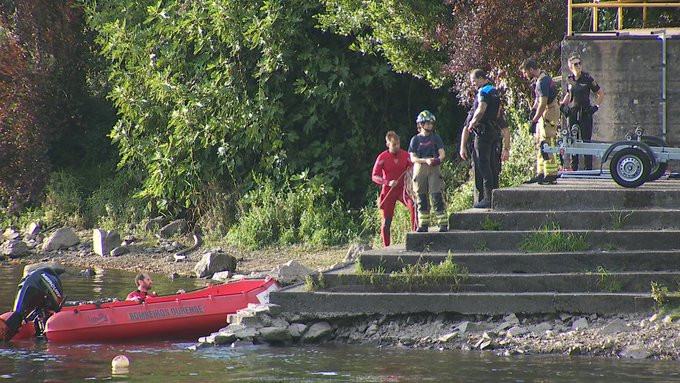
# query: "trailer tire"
x,y
659,168
630,167
658,171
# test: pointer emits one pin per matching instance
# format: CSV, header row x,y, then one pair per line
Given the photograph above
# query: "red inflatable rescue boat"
x,y
187,315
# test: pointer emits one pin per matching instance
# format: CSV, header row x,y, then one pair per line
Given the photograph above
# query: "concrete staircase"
x,y
631,238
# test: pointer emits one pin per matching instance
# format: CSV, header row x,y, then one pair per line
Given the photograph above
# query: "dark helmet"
x,y
425,116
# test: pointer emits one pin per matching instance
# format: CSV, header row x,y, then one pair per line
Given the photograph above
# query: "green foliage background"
x,y
258,120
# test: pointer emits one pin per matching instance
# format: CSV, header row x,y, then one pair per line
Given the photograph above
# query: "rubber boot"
x,y
485,203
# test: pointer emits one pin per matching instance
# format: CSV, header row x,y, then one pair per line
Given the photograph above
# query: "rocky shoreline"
x,y
160,255
634,336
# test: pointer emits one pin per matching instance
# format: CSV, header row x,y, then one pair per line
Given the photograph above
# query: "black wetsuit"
x,y
581,112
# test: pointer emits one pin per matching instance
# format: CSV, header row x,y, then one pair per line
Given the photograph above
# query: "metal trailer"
x,y
634,161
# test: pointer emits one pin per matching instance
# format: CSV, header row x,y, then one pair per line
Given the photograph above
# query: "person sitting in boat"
x,y
40,295
144,284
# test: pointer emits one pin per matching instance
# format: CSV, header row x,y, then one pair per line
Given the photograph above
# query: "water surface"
x,y
173,361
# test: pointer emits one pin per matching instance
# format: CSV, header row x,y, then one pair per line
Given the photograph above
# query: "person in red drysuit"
x,y
390,172
144,284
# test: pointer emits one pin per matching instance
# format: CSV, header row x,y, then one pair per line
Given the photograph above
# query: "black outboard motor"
x,y
39,295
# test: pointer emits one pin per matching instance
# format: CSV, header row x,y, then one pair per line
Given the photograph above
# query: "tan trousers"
x,y
547,132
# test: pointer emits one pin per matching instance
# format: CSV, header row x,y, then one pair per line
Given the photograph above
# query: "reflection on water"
x,y
40,361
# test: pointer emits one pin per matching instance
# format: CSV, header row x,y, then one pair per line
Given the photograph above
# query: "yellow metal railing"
x,y
595,5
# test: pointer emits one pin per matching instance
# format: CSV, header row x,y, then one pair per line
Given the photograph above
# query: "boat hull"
x,y
182,316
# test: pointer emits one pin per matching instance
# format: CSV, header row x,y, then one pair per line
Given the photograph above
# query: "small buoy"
x,y
120,362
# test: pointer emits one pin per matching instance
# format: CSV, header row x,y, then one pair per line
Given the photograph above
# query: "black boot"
x,y
485,203
538,178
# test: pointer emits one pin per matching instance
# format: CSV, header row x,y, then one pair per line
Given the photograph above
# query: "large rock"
x,y
317,332
14,248
355,250
616,326
175,227
59,269
120,250
296,330
275,335
10,234
61,239
290,272
155,223
213,262
104,241
33,229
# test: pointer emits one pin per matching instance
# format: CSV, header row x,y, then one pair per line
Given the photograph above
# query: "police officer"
x,y
579,86
544,120
484,124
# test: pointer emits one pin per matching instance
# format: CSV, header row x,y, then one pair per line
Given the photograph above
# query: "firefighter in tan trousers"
x,y
544,122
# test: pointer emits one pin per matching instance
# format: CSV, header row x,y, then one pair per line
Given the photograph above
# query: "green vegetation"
x,y
427,273
551,239
660,293
665,302
256,120
491,224
619,220
607,281
314,284
417,276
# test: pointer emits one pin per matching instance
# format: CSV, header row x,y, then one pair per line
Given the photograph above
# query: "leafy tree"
x,y
211,92
39,81
497,35
443,41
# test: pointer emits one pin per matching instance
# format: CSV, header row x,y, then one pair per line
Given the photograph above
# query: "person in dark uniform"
x,y
579,86
39,294
488,148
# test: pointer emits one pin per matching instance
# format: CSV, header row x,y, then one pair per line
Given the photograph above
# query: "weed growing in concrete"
x,y
491,224
660,293
550,239
310,285
619,219
607,281
424,274
481,247
314,284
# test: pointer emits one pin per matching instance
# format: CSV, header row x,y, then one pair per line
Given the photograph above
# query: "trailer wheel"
x,y
659,168
658,171
630,167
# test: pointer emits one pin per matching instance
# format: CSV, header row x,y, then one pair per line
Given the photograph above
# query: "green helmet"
x,y
425,116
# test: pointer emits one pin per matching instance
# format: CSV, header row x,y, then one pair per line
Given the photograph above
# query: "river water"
x,y
173,361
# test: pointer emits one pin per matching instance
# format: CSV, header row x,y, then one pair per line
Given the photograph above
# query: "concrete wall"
x,y
629,69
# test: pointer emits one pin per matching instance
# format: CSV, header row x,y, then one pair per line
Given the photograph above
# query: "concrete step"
x,y
483,219
618,282
595,195
296,300
394,259
480,241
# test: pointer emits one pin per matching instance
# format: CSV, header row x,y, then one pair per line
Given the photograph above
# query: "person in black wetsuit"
x,y
579,86
40,293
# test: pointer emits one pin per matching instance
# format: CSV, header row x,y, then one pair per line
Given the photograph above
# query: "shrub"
x,y
112,205
64,199
275,212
